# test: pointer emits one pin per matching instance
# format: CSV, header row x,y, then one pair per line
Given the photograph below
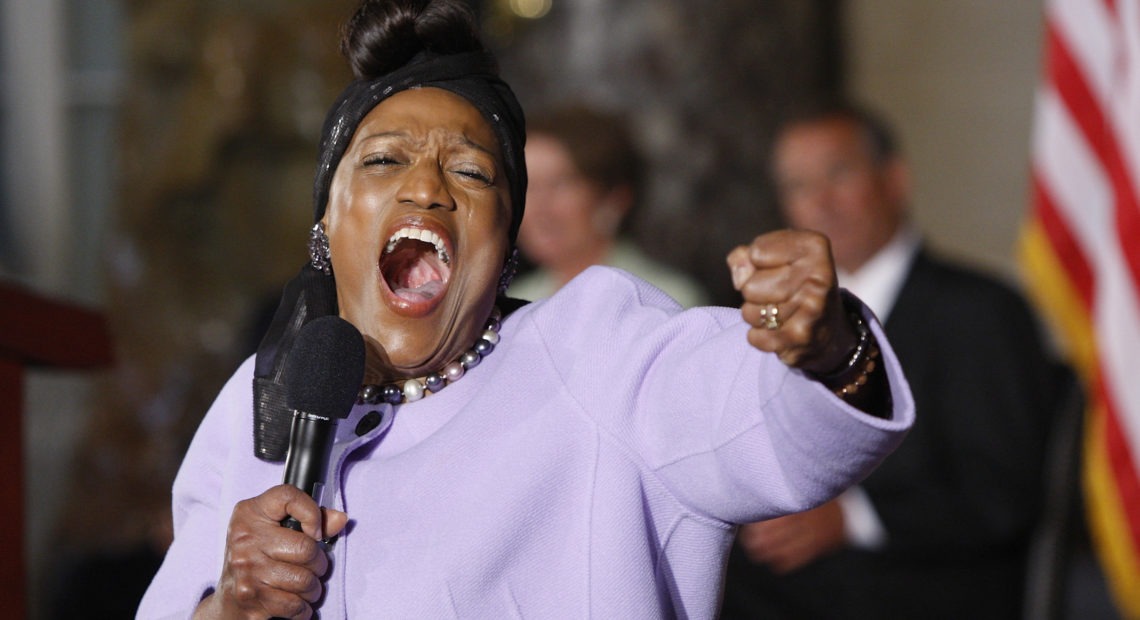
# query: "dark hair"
x,y
383,35
879,134
599,142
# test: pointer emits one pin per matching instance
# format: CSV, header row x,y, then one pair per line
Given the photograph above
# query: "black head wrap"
x,y
471,75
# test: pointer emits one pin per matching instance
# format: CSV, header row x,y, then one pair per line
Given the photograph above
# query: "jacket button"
x,y
370,421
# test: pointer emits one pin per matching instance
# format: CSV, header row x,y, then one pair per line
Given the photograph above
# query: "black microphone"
x,y
322,377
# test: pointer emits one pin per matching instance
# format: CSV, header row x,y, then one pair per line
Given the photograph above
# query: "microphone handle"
x,y
310,446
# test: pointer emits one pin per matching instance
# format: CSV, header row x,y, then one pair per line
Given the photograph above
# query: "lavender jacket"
x,y
592,466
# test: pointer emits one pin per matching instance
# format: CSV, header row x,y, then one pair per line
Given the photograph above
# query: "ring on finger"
x,y
771,315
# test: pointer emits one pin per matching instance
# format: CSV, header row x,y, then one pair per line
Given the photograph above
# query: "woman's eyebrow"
x,y
461,139
384,134
467,141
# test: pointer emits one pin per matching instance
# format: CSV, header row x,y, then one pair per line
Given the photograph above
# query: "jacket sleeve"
x,y
733,433
777,442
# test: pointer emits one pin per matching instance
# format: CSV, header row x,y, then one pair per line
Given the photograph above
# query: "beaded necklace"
x,y
412,390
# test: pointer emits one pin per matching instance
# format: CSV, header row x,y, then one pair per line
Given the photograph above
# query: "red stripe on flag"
x,y
1121,463
1065,247
1084,108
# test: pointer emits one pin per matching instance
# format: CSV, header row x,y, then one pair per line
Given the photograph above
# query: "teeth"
x,y
419,234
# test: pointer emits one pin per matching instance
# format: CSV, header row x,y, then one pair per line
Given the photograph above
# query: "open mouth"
x,y
415,265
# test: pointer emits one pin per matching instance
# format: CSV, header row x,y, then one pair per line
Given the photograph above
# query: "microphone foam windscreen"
x,y
323,372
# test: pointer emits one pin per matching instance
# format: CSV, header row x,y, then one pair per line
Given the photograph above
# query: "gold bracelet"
x,y
868,367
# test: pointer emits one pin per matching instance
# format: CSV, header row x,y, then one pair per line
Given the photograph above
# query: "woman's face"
x,y
562,223
417,221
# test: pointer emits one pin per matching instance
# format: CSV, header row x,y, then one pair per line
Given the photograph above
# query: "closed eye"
x,y
475,174
381,160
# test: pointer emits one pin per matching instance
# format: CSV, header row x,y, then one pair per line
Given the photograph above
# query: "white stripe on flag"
x,y
1070,173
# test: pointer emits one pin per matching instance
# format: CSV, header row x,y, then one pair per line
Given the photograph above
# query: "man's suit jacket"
x,y
961,495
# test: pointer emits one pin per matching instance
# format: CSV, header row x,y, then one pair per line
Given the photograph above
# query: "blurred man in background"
x,y
942,527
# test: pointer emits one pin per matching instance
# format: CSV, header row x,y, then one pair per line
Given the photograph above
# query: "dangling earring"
x,y
509,269
319,249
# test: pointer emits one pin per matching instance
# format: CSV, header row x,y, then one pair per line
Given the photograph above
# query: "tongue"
x,y
422,280
414,274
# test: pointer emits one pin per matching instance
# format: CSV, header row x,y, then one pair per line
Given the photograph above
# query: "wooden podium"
x,y
35,332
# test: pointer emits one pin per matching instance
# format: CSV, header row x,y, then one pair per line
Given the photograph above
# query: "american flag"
x,y
1081,253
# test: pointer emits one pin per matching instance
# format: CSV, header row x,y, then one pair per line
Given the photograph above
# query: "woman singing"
x,y
588,455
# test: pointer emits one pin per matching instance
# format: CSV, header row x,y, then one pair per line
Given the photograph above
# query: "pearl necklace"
x,y
412,390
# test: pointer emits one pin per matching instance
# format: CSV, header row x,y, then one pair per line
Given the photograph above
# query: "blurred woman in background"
x,y
585,182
